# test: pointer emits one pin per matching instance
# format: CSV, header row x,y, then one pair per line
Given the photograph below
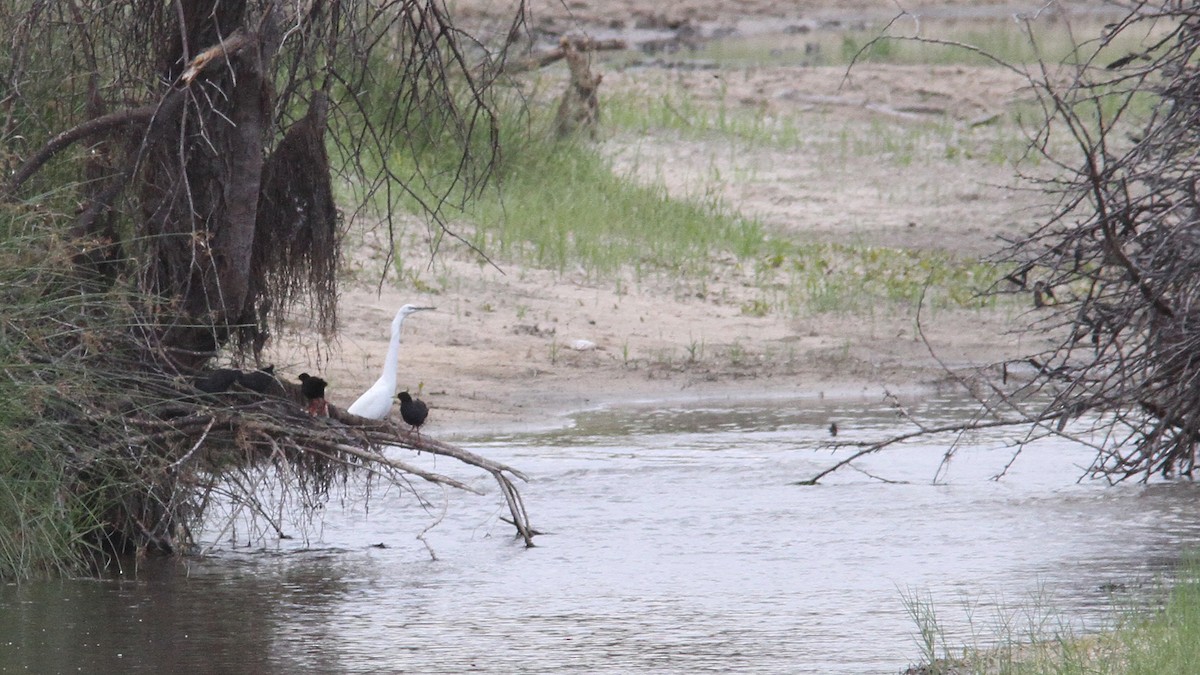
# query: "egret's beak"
x,y
421,308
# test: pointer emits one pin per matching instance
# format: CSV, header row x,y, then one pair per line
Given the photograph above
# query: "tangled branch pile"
x,y
1116,270
1113,273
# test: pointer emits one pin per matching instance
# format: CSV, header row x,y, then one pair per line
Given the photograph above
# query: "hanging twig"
x,y
436,521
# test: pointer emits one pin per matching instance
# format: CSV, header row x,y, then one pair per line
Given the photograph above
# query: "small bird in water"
x,y
313,389
413,411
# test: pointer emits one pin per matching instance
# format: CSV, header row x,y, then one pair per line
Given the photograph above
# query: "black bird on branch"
x,y
313,389
217,381
262,381
413,410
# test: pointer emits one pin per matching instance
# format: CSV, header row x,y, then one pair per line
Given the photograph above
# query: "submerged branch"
x,y
870,447
226,433
379,434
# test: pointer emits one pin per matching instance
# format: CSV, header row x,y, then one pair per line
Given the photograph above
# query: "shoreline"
x,y
697,395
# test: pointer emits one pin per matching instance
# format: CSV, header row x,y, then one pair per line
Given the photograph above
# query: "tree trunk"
x,y
208,207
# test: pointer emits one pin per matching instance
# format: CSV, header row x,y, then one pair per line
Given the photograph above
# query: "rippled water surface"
x,y
674,542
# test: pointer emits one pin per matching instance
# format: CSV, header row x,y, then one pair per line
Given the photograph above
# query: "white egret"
x,y
376,402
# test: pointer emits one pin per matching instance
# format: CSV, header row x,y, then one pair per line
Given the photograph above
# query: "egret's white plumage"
x,y
376,402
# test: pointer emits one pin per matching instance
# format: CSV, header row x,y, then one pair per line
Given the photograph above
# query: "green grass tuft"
x,y
1169,640
559,205
56,339
991,39
39,514
1032,641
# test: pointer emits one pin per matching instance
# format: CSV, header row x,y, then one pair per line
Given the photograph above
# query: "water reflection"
x,y
674,543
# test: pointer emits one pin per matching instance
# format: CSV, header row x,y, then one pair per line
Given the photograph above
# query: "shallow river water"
x,y
674,542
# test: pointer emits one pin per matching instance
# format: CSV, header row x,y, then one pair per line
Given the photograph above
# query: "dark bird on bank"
x,y
262,381
313,389
413,410
217,381
833,429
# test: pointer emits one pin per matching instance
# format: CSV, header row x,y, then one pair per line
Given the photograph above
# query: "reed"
x,y
1159,634
49,337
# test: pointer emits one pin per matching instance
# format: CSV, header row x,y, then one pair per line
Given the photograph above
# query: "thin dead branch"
x,y
552,56
1113,274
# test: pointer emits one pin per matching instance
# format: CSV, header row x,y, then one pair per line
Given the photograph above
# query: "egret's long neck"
x,y
393,356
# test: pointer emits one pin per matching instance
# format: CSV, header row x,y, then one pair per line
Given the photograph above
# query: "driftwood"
x,y
579,105
546,58
379,434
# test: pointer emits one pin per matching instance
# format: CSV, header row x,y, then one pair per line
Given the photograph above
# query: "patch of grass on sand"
x,y
680,111
849,279
900,143
929,41
558,204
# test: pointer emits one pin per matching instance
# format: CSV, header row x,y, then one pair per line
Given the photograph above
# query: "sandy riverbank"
x,y
499,350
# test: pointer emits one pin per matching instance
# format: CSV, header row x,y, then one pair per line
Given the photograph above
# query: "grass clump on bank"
x,y
558,205
1163,640
1169,640
51,331
37,532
